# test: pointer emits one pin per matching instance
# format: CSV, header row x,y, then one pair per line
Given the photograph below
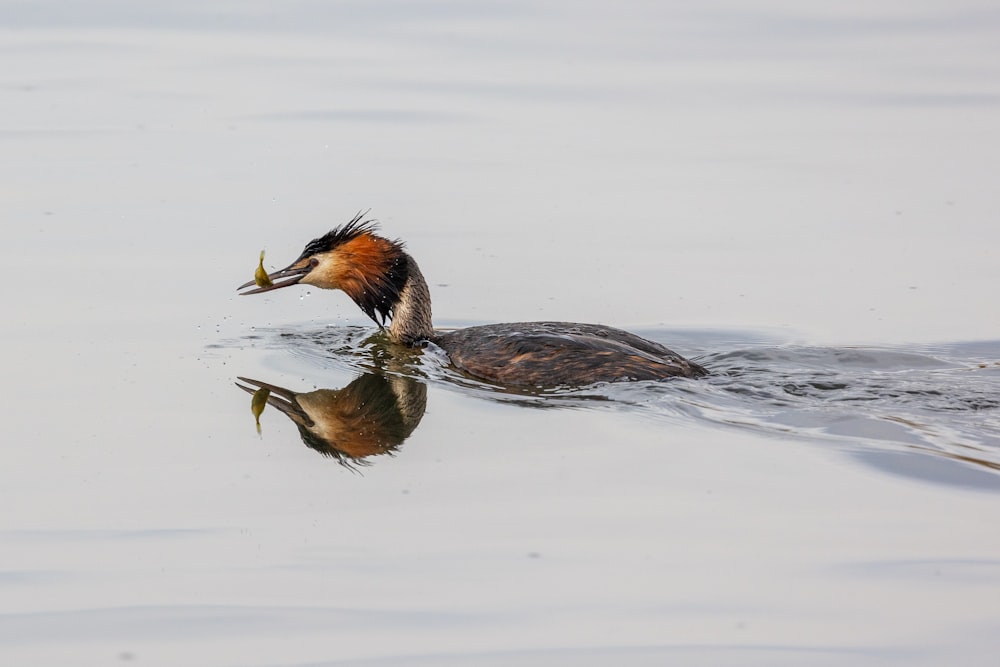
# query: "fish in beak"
x,y
286,277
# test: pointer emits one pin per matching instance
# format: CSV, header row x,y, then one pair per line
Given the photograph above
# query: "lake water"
x,y
804,198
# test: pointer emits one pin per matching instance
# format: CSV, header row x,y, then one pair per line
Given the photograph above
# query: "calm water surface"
x,y
804,199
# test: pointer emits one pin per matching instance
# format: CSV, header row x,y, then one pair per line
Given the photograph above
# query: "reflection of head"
x,y
372,415
362,419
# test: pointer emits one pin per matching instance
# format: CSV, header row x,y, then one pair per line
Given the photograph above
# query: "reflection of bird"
x,y
386,284
372,415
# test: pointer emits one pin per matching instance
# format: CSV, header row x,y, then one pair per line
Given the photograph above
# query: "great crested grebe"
x,y
385,282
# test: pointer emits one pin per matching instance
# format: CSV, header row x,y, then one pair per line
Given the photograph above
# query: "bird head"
x,y
353,258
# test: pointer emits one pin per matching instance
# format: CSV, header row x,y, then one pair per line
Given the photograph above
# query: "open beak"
x,y
284,278
280,398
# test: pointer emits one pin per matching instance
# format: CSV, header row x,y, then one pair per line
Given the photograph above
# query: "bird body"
x,y
386,283
547,354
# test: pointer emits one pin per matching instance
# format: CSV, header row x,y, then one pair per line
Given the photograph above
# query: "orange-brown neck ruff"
x,y
372,271
368,268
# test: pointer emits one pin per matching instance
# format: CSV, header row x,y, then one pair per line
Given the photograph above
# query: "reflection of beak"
x,y
292,274
282,399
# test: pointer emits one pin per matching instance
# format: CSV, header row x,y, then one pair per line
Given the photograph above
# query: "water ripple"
x,y
942,400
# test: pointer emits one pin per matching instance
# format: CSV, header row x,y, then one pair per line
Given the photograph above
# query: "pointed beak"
x,y
282,399
284,278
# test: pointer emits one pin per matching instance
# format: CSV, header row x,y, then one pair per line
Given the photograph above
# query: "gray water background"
x,y
803,197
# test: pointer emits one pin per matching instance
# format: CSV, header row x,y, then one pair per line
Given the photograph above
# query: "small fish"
x,y
260,276
257,404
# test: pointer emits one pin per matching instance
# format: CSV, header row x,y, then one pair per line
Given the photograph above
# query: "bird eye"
x,y
313,263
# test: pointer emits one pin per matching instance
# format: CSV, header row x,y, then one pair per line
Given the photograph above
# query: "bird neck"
x,y
411,315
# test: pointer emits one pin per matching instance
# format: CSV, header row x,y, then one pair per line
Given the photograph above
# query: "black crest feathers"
x,y
340,235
